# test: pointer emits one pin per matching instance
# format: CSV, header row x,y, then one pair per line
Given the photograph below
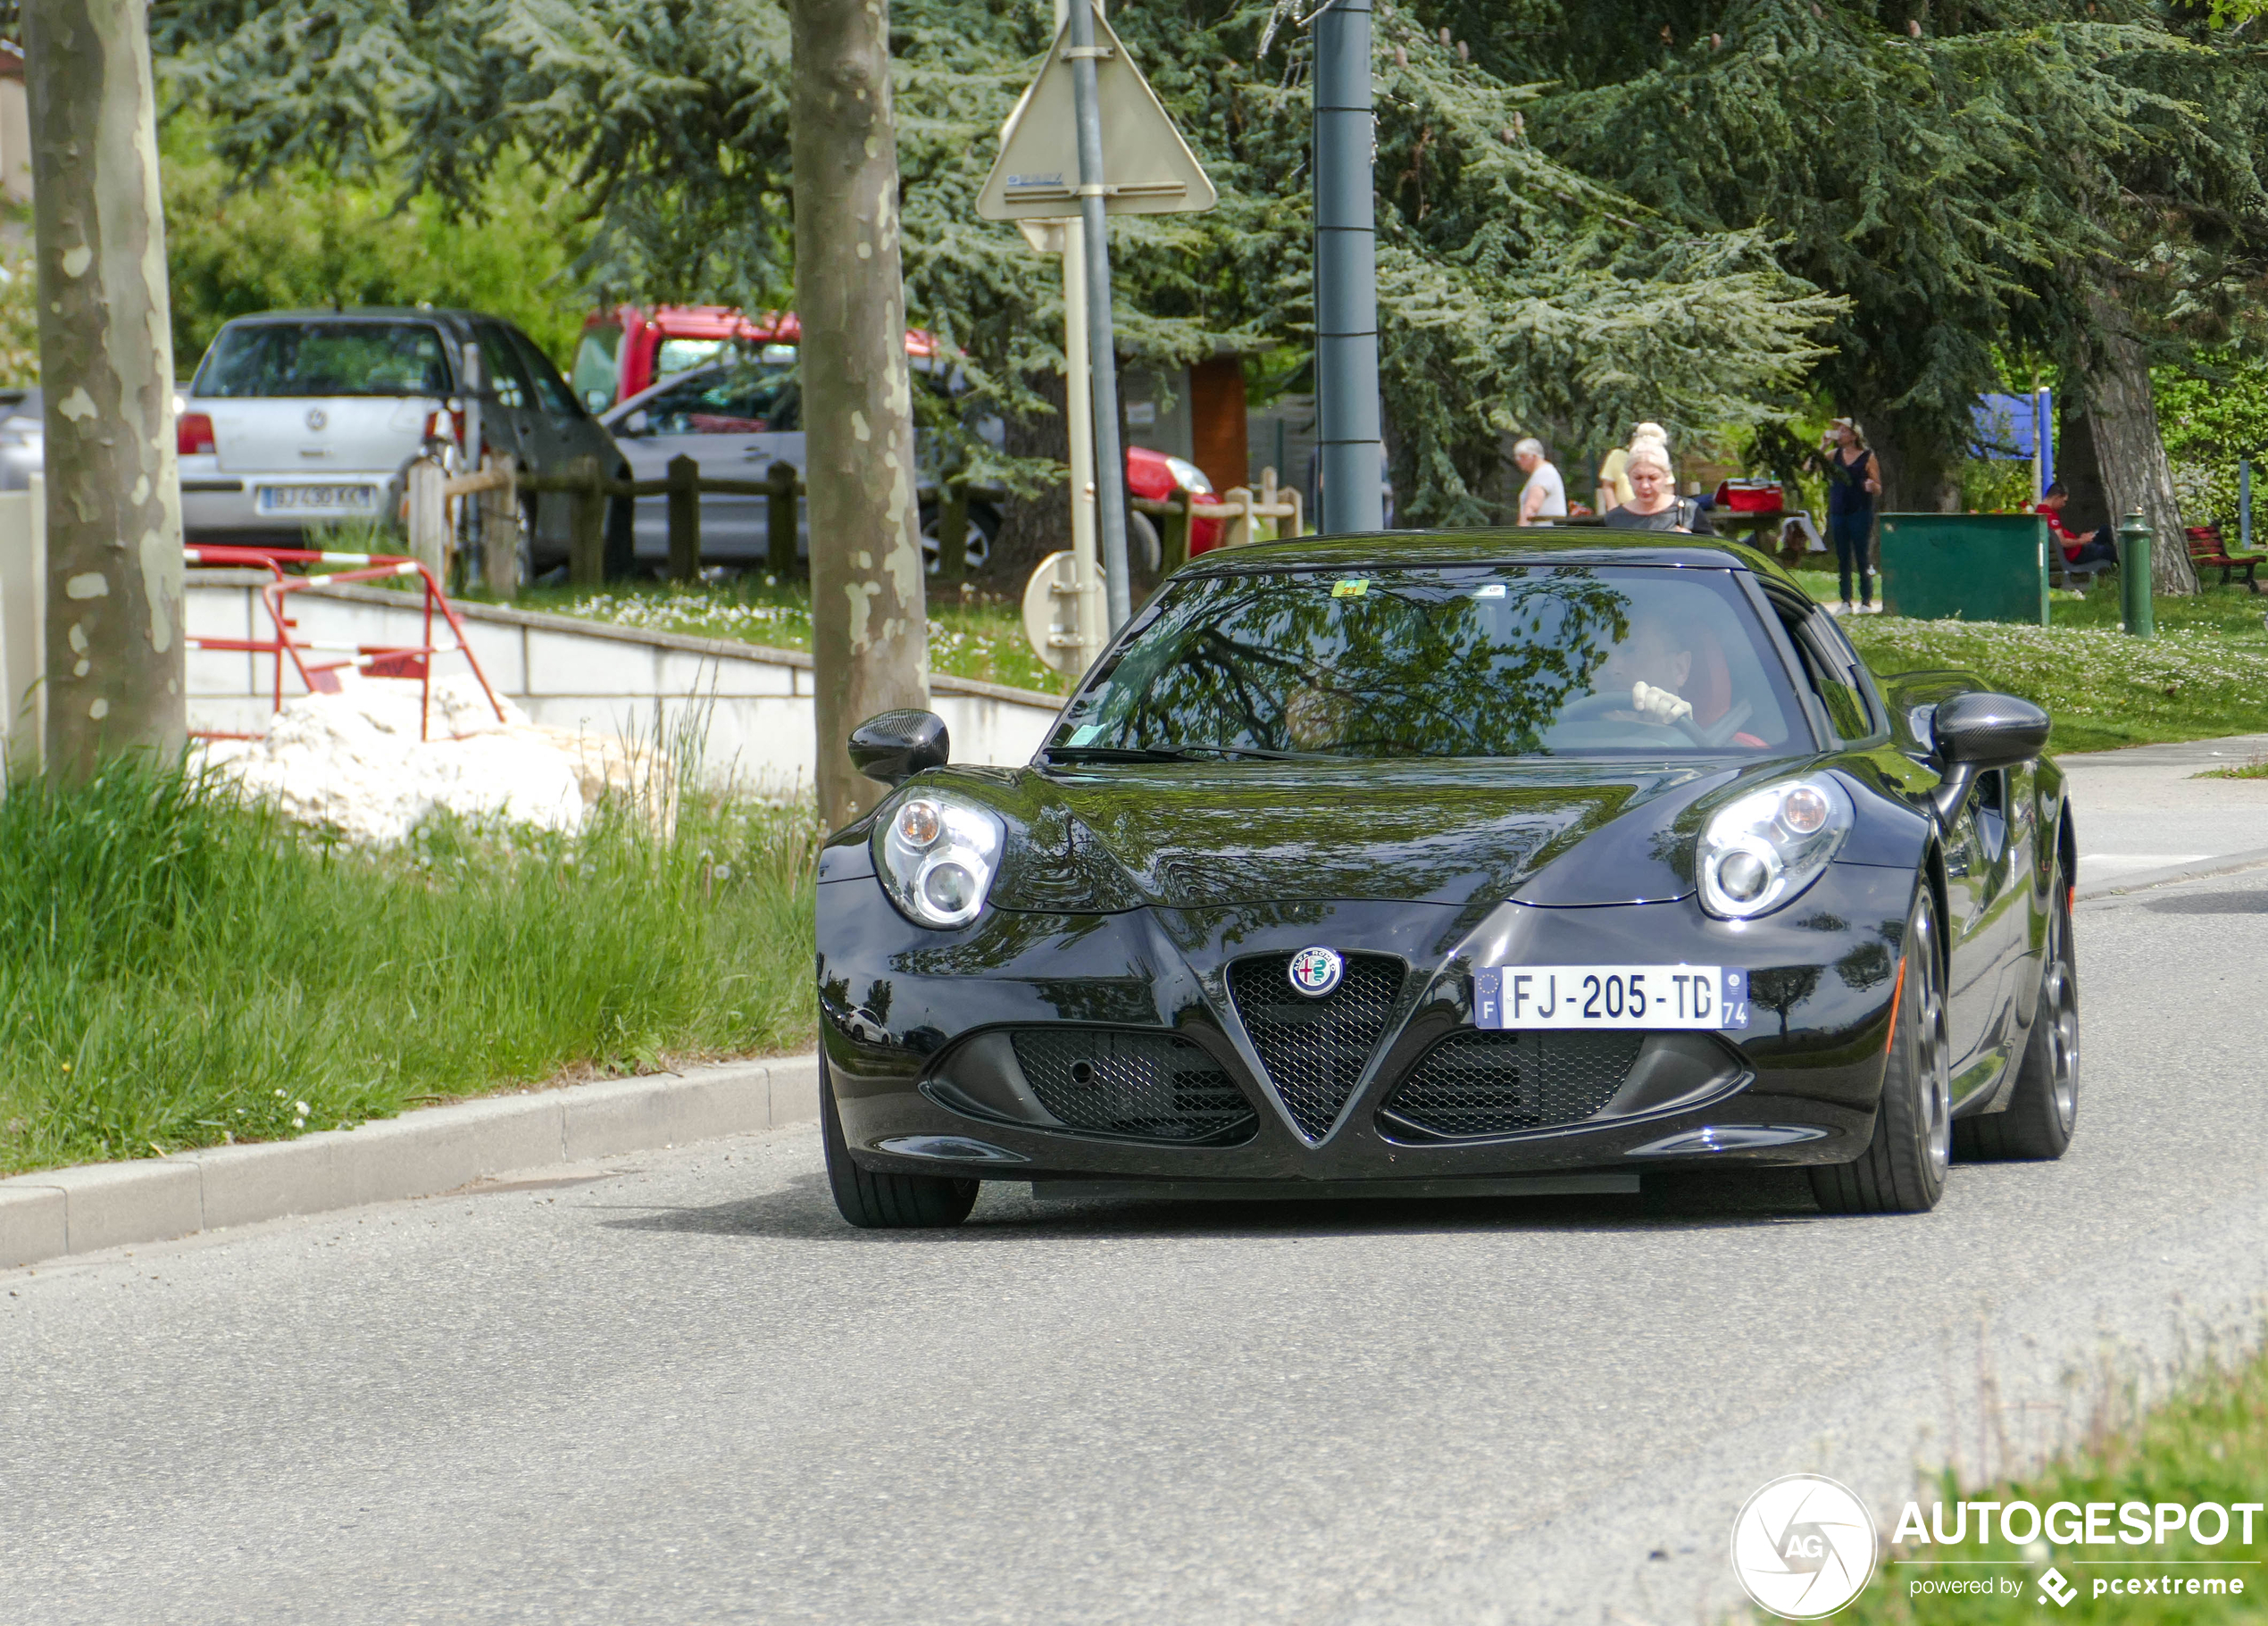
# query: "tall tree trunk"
x,y
2122,413
2079,470
114,666
870,634
1919,474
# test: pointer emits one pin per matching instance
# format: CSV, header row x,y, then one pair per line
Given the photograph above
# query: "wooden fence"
x,y
1239,505
500,482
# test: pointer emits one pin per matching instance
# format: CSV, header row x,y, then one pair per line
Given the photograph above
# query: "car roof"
x,y
372,312
1527,545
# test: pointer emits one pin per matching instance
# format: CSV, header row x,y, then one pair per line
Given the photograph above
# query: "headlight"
x,y
936,854
1188,476
1760,851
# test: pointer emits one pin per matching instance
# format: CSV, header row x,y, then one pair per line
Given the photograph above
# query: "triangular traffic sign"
x,y
1146,165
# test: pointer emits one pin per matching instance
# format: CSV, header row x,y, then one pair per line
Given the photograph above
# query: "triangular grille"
x,y
1315,1049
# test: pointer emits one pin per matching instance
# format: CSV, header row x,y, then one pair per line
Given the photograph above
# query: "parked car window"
x,y
598,366
744,399
506,380
551,393
1487,661
325,358
676,355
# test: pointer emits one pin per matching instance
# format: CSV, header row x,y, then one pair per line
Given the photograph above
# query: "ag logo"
x,y
1803,1546
1315,971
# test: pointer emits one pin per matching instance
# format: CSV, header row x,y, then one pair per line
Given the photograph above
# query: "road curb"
x,y
2225,864
75,1211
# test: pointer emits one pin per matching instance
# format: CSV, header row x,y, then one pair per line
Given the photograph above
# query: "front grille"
x,y
1478,1084
1315,1049
1149,1086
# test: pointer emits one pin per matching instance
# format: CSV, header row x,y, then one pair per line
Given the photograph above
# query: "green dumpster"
x,y
1975,567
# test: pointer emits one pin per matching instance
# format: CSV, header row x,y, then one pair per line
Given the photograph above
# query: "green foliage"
x,y
300,236
19,320
2213,414
1515,294
183,969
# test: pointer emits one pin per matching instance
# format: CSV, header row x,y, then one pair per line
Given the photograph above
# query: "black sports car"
x,y
1457,863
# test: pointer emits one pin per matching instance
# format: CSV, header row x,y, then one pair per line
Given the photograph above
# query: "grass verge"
x,y
2208,1444
184,969
973,635
2204,676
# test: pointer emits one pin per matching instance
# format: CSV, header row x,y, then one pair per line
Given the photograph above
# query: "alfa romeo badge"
x,y
1315,971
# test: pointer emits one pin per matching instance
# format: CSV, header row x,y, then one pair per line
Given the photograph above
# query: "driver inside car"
x,y
1653,664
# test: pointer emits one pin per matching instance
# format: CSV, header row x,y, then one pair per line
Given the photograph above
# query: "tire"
x,y
1145,551
2043,1109
885,1202
984,525
1903,1169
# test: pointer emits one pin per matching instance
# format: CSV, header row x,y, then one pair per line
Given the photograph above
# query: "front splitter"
x,y
1334,1190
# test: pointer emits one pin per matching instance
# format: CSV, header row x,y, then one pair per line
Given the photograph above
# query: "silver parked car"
x,y
736,417
23,438
300,418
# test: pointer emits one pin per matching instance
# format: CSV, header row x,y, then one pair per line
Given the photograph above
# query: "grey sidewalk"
x,y
73,1211
2142,810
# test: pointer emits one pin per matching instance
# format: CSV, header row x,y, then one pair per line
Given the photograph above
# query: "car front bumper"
x,y
919,1029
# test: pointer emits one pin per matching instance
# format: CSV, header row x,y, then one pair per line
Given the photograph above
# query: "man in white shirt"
x,y
1544,496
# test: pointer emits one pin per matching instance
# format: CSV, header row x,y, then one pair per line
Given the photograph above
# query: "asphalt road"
x,y
2143,809
676,1388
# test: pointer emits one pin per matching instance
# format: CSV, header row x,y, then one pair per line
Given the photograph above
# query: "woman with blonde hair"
x,y
1655,504
1614,469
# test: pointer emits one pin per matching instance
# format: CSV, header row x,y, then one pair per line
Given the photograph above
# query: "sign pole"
x,y
1347,272
1093,609
1102,347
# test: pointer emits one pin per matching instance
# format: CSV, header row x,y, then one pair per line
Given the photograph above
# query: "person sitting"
x,y
1544,497
2096,546
1655,504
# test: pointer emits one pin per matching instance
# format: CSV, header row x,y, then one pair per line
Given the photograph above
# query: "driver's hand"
x,y
1658,705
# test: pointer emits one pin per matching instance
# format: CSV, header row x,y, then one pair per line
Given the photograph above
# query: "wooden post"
x,y
1239,525
500,528
115,678
587,541
685,520
430,515
780,522
953,532
1269,498
1173,540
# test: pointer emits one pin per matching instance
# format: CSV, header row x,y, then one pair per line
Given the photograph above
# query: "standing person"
x,y
1655,504
1853,481
1614,469
1544,496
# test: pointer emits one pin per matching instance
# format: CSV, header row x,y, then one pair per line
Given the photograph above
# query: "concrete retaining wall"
x,y
756,704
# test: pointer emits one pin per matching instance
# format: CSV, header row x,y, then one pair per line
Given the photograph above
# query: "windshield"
x,y
1489,661
325,358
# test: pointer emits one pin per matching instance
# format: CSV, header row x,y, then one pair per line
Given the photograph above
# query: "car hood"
x,y
1202,836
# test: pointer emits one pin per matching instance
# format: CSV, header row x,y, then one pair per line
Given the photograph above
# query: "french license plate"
x,y
278,499
1713,998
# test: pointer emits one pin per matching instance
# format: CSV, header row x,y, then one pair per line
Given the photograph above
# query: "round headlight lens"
x,y
919,823
1743,876
1803,811
947,888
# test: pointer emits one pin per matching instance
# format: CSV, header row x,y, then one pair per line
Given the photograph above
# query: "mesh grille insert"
x,y
1474,1084
1150,1086
1315,1049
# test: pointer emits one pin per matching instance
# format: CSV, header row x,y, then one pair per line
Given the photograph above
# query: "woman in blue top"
x,y
1853,481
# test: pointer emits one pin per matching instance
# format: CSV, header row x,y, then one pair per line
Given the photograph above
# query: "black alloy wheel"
x,y
886,1202
2043,1109
1903,1168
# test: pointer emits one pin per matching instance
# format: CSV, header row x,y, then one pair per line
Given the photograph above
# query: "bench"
x,y
2207,553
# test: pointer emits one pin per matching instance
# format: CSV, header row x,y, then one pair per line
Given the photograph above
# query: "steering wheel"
x,y
1596,707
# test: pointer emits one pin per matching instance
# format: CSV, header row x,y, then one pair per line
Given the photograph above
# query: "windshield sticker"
x,y
1353,587
1084,732
1495,589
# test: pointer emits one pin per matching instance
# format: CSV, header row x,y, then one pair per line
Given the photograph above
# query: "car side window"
x,y
1834,670
736,401
551,393
507,382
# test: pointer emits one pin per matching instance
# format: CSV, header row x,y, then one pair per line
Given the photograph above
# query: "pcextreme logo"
x,y
1803,1546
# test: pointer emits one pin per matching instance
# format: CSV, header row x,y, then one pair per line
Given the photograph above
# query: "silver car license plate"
x,y
1713,998
318,499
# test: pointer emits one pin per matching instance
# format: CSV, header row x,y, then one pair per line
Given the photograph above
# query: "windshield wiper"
x,y
1169,754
